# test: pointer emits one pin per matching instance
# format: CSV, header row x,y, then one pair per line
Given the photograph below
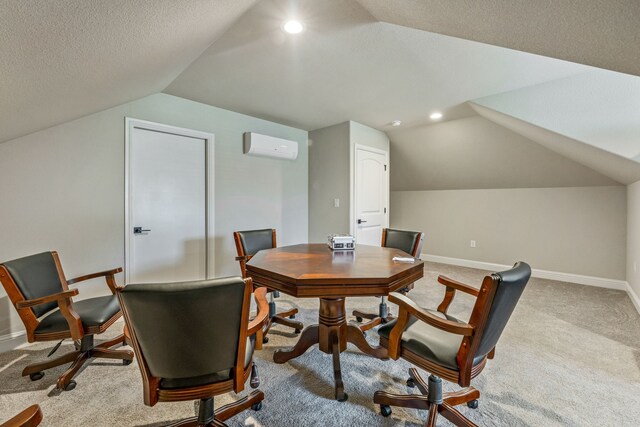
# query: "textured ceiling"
x,y
601,33
600,108
622,169
474,153
348,66
62,59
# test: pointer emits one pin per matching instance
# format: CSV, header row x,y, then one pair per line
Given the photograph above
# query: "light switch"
x,y
336,203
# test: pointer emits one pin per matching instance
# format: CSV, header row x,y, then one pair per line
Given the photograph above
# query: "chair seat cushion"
x,y
174,383
93,312
428,342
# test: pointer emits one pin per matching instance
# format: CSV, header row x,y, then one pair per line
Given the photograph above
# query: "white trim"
x,y
352,204
542,274
634,297
209,138
12,341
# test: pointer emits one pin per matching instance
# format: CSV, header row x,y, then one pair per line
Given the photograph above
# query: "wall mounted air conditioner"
x,y
269,146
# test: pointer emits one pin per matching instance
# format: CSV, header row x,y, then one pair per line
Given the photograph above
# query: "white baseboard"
x,y
634,297
542,274
12,341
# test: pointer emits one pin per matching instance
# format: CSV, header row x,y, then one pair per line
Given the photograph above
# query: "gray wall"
x,y
476,153
329,169
63,188
331,161
633,236
580,230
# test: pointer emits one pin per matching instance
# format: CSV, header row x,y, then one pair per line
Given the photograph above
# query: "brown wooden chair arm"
x,y
243,258
450,293
30,417
109,276
49,298
413,309
65,304
257,323
450,283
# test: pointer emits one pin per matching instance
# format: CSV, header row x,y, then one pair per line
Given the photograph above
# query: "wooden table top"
x,y
314,270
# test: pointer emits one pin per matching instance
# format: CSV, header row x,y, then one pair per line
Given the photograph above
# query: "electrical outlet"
x,y
336,203
472,244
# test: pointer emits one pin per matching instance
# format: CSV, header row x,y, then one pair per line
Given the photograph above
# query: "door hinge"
x,y
385,167
385,210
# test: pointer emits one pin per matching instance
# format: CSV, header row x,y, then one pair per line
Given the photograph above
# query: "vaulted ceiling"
x,y
601,33
371,61
63,59
346,65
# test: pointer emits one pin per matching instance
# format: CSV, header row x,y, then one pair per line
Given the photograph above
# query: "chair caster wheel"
x,y
297,331
265,340
411,383
385,410
358,319
473,404
256,406
72,384
126,362
293,316
36,376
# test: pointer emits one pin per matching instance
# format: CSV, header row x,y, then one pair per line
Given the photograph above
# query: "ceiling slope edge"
x,y
618,168
602,33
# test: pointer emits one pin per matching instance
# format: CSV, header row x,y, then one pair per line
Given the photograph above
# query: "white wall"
x,y
63,188
578,230
633,239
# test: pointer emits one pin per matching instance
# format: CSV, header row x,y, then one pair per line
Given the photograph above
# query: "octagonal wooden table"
x,y
315,271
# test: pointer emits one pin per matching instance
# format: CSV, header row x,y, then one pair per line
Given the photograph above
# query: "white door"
x,y
167,205
371,195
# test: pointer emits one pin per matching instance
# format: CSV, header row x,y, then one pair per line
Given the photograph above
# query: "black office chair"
x,y
194,340
40,292
407,241
248,243
447,347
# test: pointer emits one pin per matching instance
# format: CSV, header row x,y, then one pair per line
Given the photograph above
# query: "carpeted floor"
x,y
570,356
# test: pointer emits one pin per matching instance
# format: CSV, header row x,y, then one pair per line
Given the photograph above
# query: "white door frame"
x,y
352,201
209,138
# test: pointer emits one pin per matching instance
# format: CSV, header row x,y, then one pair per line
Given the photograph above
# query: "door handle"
x,y
139,230
360,221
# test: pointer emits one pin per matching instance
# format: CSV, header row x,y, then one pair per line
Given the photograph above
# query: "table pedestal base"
x,y
331,334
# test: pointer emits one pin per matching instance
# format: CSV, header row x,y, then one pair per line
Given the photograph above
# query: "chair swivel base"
x,y
207,417
383,316
282,318
82,354
431,399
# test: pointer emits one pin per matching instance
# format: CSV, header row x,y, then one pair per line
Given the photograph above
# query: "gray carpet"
x,y
569,357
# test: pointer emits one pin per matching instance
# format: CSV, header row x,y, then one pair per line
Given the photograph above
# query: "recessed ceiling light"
x,y
436,116
396,123
293,27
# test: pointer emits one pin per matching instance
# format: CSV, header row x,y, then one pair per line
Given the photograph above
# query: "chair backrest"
x,y
188,329
249,242
498,298
408,241
37,276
